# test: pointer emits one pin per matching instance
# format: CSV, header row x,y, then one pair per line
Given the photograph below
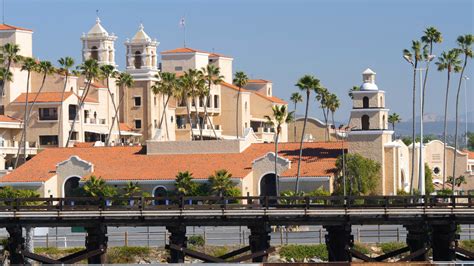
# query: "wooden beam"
x,y
194,254
415,254
235,253
392,254
253,255
81,255
360,255
465,253
40,258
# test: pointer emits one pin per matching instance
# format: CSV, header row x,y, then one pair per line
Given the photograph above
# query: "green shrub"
x,y
300,252
362,248
391,246
126,254
196,240
468,245
57,251
219,251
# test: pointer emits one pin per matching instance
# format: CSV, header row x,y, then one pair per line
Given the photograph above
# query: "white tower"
x,y
141,55
98,44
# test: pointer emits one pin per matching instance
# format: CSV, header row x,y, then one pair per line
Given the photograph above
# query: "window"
x,y
201,102
216,101
48,114
381,102
86,114
208,101
138,123
171,119
245,106
365,102
155,122
193,102
436,170
95,53
137,101
138,60
2,110
154,100
48,140
383,122
72,111
365,122
74,135
178,68
269,91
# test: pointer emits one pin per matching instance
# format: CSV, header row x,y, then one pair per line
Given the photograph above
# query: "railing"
x,y
238,203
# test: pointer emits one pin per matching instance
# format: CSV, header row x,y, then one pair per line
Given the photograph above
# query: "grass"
x,y
362,248
54,251
391,246
126,254
300,252
468,245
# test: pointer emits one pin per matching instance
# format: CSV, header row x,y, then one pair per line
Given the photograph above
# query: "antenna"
x,y
97,13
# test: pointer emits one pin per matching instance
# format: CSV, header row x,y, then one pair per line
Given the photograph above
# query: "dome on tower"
x,y
141,35
368,77
97,29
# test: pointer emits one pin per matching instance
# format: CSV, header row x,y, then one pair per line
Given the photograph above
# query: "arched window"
x,y
111,54
216,101
95,53
365,102
383,122
160,192
245,106
268,187
153,59
381,101
365,122
70,185
138,60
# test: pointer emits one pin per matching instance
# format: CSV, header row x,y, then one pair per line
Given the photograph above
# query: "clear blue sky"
x,y
276,40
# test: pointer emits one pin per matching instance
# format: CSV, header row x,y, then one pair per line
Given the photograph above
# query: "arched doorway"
x,y
69,188
160,192
268,185
365,122
95,53
138,60
365,102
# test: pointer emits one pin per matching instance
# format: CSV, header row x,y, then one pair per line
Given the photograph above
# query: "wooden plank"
x,y
253,255
39,258
392,254
464,252
83,255
235,253
194,254
415,254
360,255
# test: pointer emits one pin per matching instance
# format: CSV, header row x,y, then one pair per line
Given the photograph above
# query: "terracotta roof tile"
x,y
43,97
470,154
11,27
132,163
271,98
263,81
9,119
232,86
84,144
125,127
187,50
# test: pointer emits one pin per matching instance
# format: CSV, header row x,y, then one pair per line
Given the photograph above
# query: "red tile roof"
x,y
263,81
271,98
187,50
125,127
48,97
11,27
232,86
132,163
9,119
470,154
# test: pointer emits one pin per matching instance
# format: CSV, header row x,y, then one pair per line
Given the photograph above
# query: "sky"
x,y
278,40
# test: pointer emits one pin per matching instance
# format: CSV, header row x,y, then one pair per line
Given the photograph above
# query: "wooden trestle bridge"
x,y
431,222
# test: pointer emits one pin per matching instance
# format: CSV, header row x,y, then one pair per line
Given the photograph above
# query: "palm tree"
x,y
97,187
333,104
307,83
432,35
295,98
464,47
184,184
413,56
131,189
10,55
29,65
322,96
351,91
107,72
46,68
182,93
212,75
220,183
66,64
240,80
166,86
279,117
450,62
123,81
192,83
394,119
90,69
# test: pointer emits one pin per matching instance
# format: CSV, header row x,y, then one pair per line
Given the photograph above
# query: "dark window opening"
x,y
365,122
138,60
216,101
138,124
49,140
48,114
95,53
72,111
137,101
365,102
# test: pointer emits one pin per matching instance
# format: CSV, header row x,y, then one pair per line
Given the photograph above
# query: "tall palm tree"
x,y
107,72
279,117
431,36
465,48
45,68
295,98
240,80
66,64
450,62
191,83
307,83
333,104
10,55
90,69
29,65
413,56
199,93
182,93
394,119
123,81
322,96
212,75
166,86
184,184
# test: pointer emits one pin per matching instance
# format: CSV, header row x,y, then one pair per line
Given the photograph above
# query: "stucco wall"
x,y
313,128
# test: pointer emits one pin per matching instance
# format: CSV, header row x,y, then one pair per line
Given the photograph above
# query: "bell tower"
x,y
141,55
370,134
98,44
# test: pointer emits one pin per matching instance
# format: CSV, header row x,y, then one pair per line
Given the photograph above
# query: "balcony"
x,y
10,147
265,134
206,131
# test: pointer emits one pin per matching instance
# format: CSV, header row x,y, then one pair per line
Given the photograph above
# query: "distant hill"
x,y
432,128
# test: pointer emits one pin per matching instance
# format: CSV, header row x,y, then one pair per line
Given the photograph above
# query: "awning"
x,y
126,133
95,131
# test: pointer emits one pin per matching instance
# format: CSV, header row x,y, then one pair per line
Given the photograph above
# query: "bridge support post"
x,y
16,243
444,242
96,240
178,238
338,242
259,241
417,240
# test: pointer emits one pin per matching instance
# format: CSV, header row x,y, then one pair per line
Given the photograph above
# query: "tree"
x,y
295,98
429,187
131,190
394,119
184,184
97,187
123,81
280,116
186,84
212,76
307,83
166,86
66,64
431,36
29,65
351,91
90,70
450,62
220,184
240,80
322,96
108,71
465,48
460,180
470,137
362,173
10,53
413,56
332,104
